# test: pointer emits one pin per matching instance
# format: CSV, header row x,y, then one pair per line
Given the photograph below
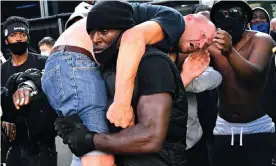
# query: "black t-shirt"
x,y
169,19
33,61
155,76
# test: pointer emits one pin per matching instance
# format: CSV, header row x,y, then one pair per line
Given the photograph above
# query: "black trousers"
x,y
257,150
24,156
5,145
198,154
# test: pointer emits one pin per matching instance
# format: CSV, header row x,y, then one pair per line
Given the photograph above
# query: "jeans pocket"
x,y
52,86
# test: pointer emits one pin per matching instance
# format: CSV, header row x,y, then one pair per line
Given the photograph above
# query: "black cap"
x,y
247,9
110,15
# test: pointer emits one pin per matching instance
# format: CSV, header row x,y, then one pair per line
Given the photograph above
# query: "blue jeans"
x,y
74,85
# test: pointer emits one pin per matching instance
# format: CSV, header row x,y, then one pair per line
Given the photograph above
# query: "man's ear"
x,y
6,42
189,17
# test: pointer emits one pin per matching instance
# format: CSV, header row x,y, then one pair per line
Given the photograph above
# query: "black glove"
x,y
75,134
12,82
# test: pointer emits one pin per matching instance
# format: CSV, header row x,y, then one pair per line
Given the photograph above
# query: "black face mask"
x,y
273,35
18,48
109,55
235,27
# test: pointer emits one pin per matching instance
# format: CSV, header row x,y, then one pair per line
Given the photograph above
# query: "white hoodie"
x,y
80,11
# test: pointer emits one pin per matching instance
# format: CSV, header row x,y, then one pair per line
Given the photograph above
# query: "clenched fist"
x,y
120,115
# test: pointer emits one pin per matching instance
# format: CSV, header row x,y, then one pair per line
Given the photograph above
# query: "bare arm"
x,y
221,64
147,135
255,67
252,68
133,41
157,23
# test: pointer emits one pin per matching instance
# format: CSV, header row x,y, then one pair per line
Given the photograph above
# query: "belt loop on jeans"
x,y
62,48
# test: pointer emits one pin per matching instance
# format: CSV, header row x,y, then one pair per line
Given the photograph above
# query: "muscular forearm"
x,y
132,49
244,69
132,140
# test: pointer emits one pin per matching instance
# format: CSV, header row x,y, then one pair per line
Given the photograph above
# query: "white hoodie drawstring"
x,y
232,136
241,136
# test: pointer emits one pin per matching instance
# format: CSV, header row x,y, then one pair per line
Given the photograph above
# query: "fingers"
x,y
109,116
219,36
16,100
63,129
219,41
121,118
21,97
68,121
11,131
219,46
132,123
220,31
65,125
26,97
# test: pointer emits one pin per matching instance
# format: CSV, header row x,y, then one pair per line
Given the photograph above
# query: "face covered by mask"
x,y
234,23
18,48
45,53
109,55
261,27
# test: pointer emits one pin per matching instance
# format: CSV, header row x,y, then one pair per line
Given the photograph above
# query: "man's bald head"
x,y
199,31
273,24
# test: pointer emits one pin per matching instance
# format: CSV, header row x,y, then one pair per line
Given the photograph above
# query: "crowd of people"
x,y
136,84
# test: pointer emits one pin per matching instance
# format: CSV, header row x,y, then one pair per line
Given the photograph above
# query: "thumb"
x,y
132,123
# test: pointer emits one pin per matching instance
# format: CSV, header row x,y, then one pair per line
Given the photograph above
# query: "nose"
x,y
96,38
18,38
203,43
258,19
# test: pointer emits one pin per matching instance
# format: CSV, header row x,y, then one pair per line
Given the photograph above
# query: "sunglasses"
x,y
233,13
